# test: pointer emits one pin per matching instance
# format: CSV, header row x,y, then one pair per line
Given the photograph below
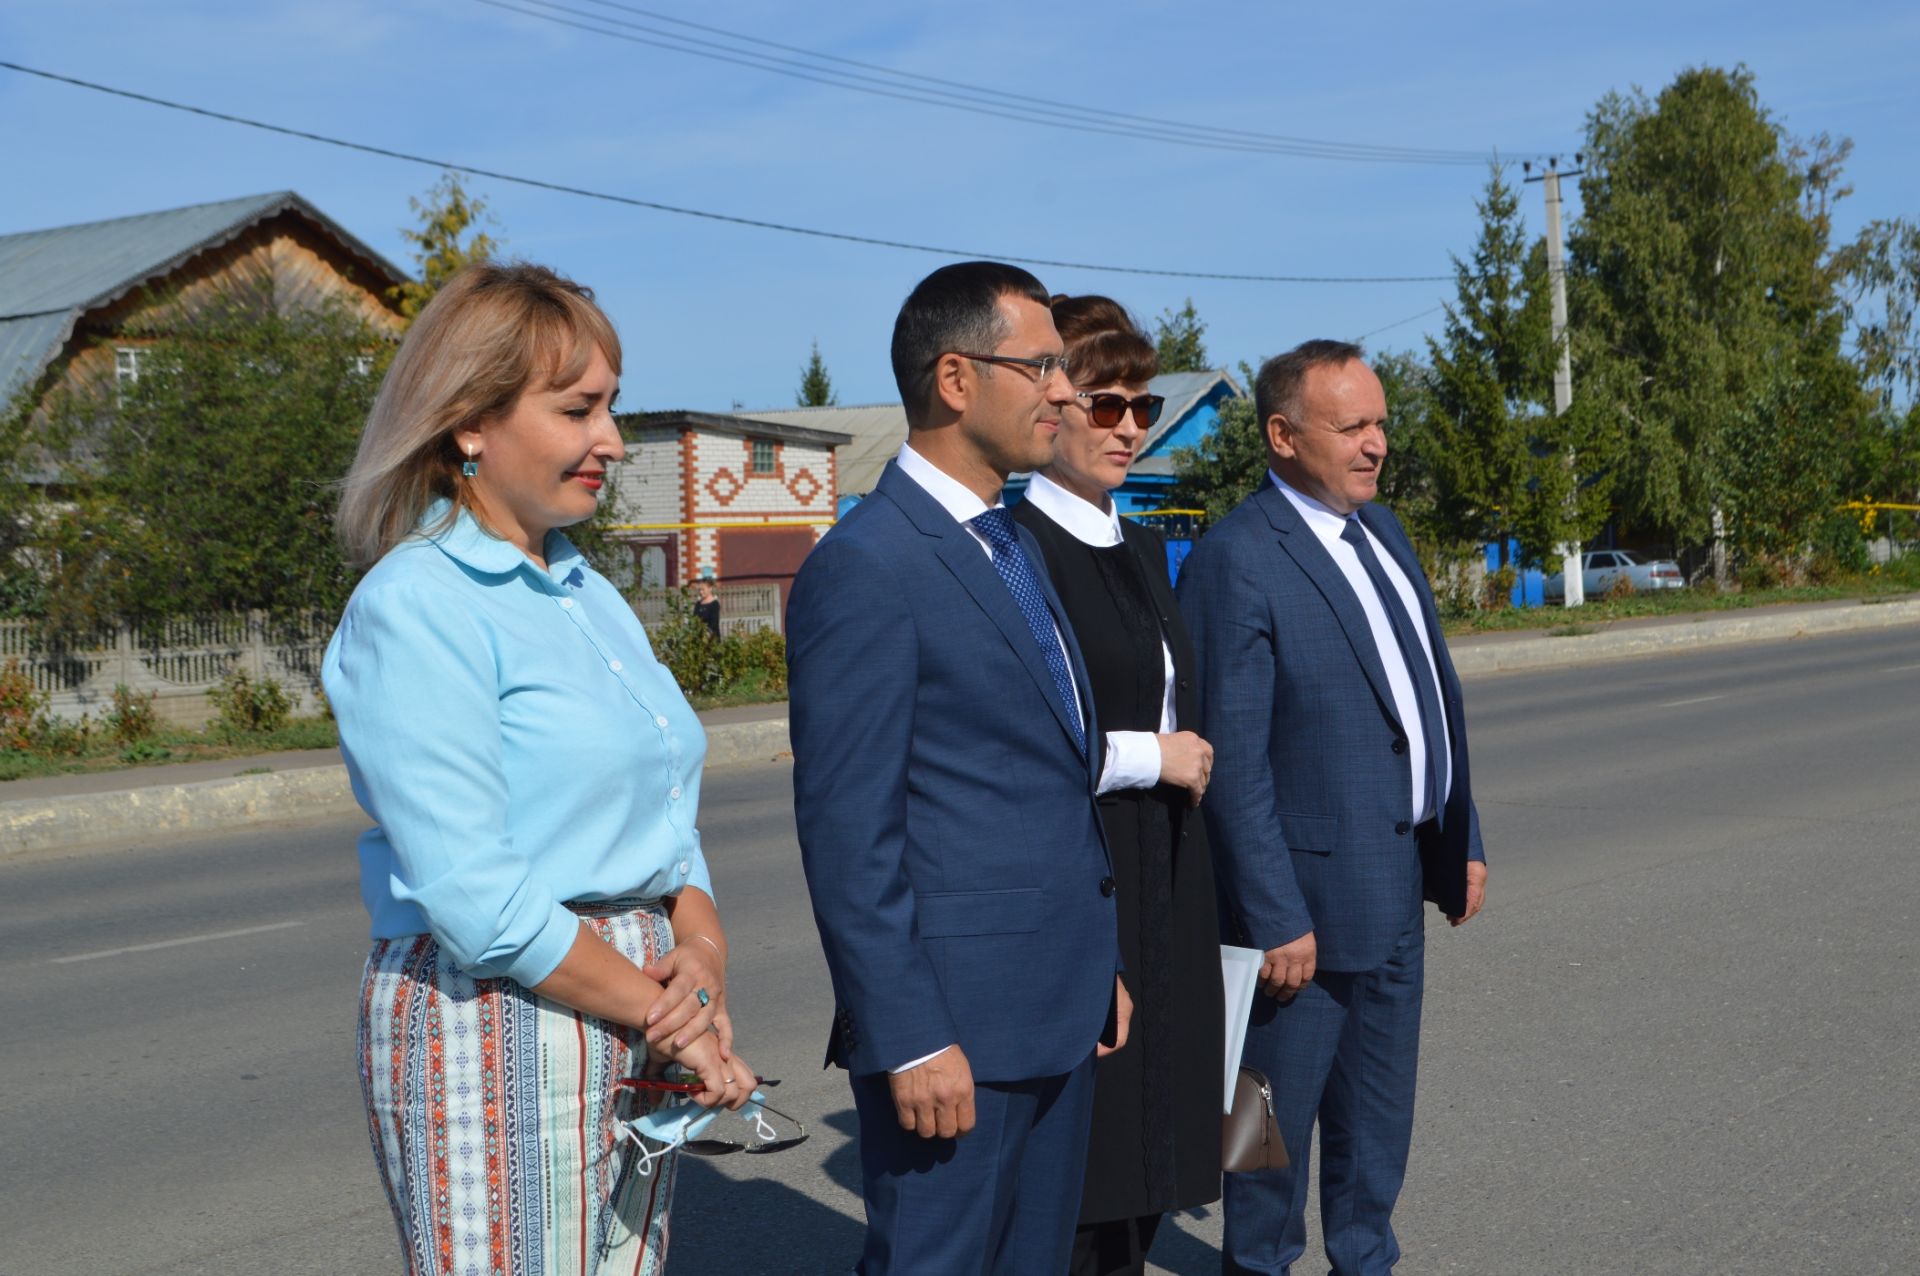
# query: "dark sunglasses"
x,y
769,1140
1108,410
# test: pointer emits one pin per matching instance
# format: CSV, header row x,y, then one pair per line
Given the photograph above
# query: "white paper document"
x,y
1240,974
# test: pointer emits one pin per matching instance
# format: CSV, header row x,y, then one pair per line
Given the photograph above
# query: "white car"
x,y
1601,567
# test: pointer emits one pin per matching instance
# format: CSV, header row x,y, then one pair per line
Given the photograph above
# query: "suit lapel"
x,y
1300,543
964,557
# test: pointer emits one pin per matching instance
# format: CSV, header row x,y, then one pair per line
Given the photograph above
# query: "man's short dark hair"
x,y
1277,387
954,308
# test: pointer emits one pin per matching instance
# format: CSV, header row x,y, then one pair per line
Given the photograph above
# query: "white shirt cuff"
x,y
908,1067
1133,761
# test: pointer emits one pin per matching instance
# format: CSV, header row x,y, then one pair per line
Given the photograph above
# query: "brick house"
x,y
742,498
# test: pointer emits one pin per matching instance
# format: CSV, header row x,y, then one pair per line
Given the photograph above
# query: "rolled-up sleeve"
x,y
415,686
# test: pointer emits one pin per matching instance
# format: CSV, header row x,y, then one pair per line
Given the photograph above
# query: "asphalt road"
x,y
1684,1037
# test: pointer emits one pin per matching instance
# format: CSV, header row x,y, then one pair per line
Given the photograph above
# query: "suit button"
x,y
1107,886
1402,827
1186,684
1399,746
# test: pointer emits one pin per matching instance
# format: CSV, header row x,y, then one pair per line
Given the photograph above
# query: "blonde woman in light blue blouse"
x,y
543,917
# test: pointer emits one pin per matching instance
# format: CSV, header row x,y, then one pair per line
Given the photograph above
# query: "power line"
x,y
917,78
959,96
1397,322
728,218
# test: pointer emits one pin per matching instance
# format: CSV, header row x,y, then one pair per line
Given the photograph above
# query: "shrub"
x,y
132,717
247,707
1761,571
766,651
1498,591
1619,590
683,643
22,708
145,751
59,738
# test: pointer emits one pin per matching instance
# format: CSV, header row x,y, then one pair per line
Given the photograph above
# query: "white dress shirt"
x,y
960,501
1327,525
1133,757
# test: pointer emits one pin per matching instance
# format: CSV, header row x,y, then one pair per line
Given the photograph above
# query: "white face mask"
x,y
674,1123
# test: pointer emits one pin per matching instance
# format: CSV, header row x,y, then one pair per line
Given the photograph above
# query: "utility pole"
x,y
1574,589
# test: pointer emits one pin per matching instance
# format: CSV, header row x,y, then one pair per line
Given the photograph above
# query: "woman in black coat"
x,y
1156,1116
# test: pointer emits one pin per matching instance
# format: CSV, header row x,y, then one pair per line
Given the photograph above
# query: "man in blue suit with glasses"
x,y
1340,799
945,759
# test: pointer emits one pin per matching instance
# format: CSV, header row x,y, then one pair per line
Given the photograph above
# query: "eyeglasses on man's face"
x,y
1108,410
1045,366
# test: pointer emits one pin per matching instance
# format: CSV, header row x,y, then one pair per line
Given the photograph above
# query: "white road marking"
x,y
1900,669
1675,704
175,943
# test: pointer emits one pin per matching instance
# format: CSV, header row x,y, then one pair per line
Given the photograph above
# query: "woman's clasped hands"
x,y
688,1023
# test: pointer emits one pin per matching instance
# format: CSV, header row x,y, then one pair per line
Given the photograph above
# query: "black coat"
x,y
1155,1144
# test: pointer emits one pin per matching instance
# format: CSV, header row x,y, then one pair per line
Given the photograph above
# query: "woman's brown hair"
x,y
1104,344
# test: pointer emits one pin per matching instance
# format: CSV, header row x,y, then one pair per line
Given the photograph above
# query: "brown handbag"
x,y
1249,1135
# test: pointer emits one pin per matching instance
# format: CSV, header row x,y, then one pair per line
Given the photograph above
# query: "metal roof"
x,y
878,429
677,419
50,278
875,432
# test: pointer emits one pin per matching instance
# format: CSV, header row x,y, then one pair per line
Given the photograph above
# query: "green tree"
x,y
816,387
1226,466
208,483
1177,340
1409,484
1230,463
1704,297
442,243
1882,271
1491,376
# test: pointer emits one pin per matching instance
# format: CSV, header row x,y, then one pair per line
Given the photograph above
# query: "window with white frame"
x,y
126,364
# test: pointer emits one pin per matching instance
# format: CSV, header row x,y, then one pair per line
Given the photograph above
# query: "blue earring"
x,y
469,467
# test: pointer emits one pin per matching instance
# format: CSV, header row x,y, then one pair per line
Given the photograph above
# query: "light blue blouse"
x,y
517,744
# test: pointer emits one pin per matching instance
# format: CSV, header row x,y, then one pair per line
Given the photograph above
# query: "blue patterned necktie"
x,y
1411,652
1011,562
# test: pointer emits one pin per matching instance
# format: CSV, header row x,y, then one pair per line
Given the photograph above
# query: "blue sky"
x,y
712,315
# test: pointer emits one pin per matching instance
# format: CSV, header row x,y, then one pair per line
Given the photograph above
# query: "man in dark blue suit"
x,y
944,777
1340,798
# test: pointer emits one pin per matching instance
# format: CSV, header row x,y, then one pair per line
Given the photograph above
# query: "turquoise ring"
x,y
700,995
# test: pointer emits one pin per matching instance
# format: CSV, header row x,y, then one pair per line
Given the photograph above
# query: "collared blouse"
x,y
516,743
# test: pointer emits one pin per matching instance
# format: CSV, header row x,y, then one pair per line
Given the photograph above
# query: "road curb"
x,y
38,824
241,801
1472,659
276,797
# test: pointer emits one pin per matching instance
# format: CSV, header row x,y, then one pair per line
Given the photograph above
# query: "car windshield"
x,y
1629,558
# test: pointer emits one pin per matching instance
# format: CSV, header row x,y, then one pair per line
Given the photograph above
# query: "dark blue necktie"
x,y
1411,652
1011,562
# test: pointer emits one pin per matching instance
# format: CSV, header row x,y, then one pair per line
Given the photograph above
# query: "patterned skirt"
x,y
495,1119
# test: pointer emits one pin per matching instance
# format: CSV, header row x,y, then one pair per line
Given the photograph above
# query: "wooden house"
x,y
74,298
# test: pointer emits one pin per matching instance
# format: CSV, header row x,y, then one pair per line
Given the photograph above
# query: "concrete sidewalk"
x,y
76,810
267,788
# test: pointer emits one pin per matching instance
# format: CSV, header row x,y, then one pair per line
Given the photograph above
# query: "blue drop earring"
x,y
469,467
